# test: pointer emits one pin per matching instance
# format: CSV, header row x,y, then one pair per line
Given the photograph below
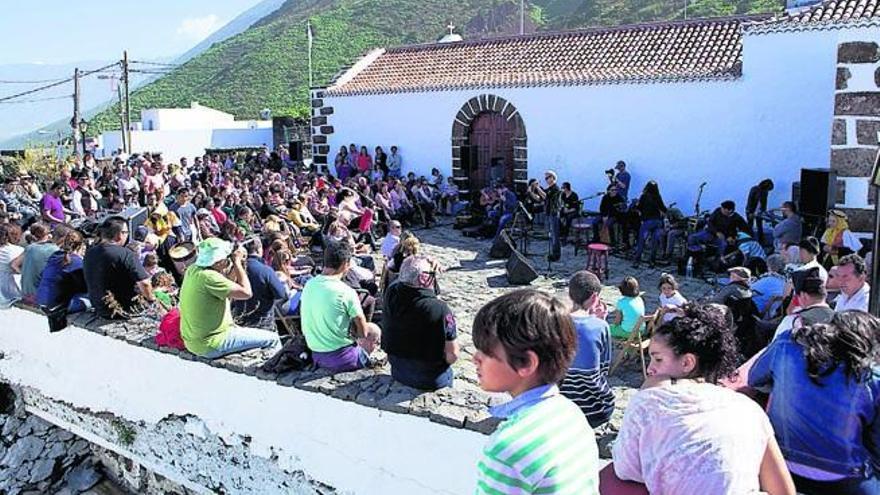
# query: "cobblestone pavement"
x,y
472,279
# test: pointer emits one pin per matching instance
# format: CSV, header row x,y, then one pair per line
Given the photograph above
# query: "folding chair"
x,y
290,323
636,343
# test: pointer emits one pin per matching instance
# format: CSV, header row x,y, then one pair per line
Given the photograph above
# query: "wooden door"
x,y
492,136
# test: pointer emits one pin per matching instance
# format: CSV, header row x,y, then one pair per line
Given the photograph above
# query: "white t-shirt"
x,y
388,244
682,438
858,301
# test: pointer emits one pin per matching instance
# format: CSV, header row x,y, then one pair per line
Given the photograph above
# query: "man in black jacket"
x,y
721,229
611,211
756,206
553,209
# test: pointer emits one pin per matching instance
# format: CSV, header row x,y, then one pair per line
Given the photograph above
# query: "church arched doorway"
x,y
488,143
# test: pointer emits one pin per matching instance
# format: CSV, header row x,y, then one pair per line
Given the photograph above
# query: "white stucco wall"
x,y
188,143
771,122
352,448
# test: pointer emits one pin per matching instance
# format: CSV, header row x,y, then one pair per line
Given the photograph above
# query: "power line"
x,y
152,63
35,100
58,83
41,81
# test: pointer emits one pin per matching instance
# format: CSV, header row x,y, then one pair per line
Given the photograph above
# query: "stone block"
x,y
319,94
323,149
877,77
860,220
320,120
319,139
327,111
482,422
853,162
838,132
843,75
319,159
858,52
327,129
866,131
317,102
449,415
861,103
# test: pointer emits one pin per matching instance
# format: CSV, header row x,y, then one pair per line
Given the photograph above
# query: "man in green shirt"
x,y
206,325
329,308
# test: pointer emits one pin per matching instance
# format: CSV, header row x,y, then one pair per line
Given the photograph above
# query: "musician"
x,y
571,208
508,206
652,209
756,206
534,197
611,209
622,179
720,230
553,208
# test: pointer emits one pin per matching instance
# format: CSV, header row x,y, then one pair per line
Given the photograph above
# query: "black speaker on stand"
x,y
817,195
295,148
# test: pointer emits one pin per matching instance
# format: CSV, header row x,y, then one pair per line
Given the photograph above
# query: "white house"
x,y
728,101
188,132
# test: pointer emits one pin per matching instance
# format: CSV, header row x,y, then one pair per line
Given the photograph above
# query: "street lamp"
x,y
83,127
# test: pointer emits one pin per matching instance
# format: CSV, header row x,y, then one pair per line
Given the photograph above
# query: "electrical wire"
x,y
41,81
35,100
59,83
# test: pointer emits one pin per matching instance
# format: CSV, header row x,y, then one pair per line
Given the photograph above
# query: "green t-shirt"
x,y
327,308
204,309
631,308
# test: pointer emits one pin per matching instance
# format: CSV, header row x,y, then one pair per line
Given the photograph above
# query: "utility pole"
x,y
522,16
74,123
127,130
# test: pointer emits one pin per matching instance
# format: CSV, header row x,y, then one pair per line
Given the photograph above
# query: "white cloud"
x,y
198,28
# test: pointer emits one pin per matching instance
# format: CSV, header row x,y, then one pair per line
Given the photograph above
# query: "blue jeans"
x,y
553,228
846,486
698,239
650,228
240,339
502,223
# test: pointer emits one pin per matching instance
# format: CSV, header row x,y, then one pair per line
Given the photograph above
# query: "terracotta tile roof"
x,y
828,14
835,11
674,51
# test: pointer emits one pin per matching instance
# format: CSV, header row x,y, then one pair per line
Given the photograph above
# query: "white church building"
x,y
727,101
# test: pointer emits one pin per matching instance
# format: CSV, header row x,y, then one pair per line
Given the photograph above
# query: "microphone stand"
x,y
699,195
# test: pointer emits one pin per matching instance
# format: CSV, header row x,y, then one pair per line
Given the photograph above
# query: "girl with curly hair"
x,y
825,403
682,433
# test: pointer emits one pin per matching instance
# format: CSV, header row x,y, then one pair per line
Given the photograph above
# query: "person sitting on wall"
x,y
419,330
206,327
63,282
267,288
329,309
586,382
113,273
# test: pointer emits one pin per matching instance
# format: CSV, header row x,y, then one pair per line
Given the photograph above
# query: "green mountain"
x,y
266,65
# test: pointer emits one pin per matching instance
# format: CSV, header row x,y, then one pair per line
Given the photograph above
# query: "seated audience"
x,y
770,286
206,327
670,298
684,434
11,259
837,240
721,229
630,307
809,289
525,342
392,239
329,310
113,273
788,232
418,328
824,385
586,382
63,281
268,289
851,276
51,208
36,255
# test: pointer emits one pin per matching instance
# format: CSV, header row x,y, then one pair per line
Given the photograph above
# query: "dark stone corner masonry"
x,y
457,407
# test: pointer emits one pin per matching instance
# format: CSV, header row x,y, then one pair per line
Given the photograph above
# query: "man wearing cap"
x,y
809,287
738,288
111,269
206,325
419,328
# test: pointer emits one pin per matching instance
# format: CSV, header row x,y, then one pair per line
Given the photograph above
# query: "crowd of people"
x,y
231,246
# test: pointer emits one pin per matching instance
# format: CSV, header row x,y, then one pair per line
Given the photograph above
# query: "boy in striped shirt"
x,y
525,342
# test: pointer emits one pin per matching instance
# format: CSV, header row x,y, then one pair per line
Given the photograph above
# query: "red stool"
x,y
597,259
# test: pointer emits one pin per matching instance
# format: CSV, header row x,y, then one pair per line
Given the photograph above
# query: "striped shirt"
x,y
586,382
545,445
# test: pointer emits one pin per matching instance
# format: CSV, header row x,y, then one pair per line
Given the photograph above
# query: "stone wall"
x,y
854,140
322,129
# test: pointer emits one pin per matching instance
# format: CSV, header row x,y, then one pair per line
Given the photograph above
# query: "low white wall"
x,y
175,144
352,448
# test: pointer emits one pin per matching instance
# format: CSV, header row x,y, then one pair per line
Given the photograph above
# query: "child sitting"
x,y
630,307
670,297
164,288
525,342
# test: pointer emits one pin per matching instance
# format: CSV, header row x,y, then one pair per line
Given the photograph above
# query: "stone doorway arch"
x,y
466,157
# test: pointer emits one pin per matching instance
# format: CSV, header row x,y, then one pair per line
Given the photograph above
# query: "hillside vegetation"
x,y
266,65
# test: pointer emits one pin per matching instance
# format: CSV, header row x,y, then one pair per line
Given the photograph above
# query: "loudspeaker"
x,y
135,216
818,191
502,246
519,271
295,148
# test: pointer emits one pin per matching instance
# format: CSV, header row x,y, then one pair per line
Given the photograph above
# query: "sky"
x,y
61,31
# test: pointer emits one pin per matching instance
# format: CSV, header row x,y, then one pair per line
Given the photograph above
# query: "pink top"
x,y
364,163
692,437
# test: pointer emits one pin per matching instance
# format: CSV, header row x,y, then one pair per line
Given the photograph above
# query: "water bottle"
x,y
689,269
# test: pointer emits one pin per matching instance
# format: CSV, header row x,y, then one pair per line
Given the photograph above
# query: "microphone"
x,y
703,185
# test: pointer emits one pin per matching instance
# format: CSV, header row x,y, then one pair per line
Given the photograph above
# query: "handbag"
x,y
57,316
